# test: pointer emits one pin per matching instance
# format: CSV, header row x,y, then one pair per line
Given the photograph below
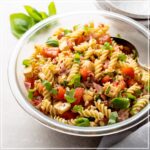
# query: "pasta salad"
x,y
81,77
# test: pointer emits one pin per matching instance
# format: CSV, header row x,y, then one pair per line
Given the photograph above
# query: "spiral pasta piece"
x,y
139,105
92,113
113,61
102,108
82,47
47,108
48,74
74,70
99,64
133,88
88,53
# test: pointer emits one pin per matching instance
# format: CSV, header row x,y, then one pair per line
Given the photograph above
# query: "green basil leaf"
x,y
113,118
33,13
120,103
130,96
82,122
70,96
77,58
52,42
75,80
43,15
52,9
20,23
122,57
26,62
54,91
107,46
66,31
47,85
77,108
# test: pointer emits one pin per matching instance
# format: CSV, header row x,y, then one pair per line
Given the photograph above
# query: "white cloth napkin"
x,y
128,139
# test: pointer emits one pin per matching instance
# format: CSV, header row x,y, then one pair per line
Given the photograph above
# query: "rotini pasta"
x,y
82,77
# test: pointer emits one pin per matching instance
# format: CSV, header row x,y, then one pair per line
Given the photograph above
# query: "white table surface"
x,y
18,129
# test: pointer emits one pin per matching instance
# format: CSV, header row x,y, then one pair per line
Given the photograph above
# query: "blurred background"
x,y
18,129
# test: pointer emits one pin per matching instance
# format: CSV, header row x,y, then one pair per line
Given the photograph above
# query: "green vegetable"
x,y
75,80
33,13
54,91
108,90
138,93
107,46
77,58
86,28
20,23
120,103
52,42
147,87
66,31
76,27
30,93
43,15
97,97
47,85
77,108
82,122
26,62
122,57
64,83
118,35
130,96
70,96
52,9
113,118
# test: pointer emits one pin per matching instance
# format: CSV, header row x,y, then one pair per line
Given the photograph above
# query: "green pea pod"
x,y
52,9
33,13
20,23
120,103
44,15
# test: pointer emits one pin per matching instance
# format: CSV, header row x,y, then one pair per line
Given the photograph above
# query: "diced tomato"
x,y
50,52
129,71
61,93
81,39
116,83
78,96
122,84
69,115
106,78
30,81
36,93
103,39
130,82
84,73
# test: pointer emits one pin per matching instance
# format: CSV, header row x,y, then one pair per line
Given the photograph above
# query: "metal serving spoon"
x,y
128,48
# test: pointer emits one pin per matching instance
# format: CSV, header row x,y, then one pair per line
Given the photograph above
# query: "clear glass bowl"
x,y
127,28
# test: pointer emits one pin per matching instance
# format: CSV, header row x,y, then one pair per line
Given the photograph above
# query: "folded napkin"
x,y
135,138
